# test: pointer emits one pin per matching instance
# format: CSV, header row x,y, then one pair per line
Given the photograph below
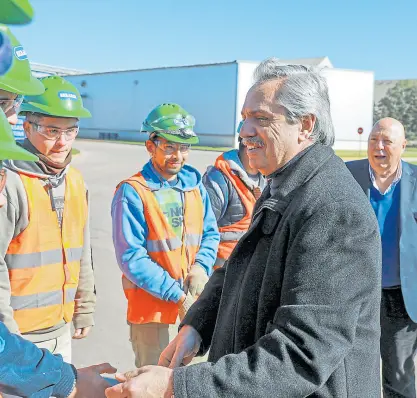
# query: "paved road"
x,y
104,165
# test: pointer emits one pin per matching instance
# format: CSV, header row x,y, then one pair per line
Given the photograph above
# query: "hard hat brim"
x,y
16,14
192,140
12,151
46,110
31,87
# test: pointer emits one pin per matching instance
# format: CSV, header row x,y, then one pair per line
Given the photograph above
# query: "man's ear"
x,y
307,126
27,129
150,147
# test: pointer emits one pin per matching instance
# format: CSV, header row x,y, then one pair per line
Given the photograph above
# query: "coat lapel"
x,y
407,194
363,178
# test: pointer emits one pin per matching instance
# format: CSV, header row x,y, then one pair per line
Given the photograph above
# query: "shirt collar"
x,y
395,181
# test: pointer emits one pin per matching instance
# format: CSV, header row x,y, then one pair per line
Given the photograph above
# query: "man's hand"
x,y
182,349
89,382
195,280
146,382
81,333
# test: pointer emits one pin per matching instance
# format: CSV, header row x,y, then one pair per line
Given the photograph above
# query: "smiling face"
x,y
269,139
386,144
168,158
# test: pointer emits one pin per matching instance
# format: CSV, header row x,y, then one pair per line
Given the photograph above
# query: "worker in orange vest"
x,y
233,187
25,369
165,234
47,278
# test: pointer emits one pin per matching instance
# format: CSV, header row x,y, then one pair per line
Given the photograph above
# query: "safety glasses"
x,y
54,133
169,148
7,104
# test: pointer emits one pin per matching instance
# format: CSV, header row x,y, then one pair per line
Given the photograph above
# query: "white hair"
x,y
303,92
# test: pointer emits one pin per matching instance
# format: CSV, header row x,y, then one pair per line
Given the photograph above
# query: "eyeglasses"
x,y
7,104
54,133
3,176
169,148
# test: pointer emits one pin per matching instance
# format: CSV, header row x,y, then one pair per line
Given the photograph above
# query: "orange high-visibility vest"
x,y
44,259
164,247
230,234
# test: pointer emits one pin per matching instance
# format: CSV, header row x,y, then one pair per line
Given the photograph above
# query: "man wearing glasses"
x,y
165,234
47,278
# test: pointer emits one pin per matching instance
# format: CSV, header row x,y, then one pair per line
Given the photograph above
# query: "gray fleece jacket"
x,y
14,219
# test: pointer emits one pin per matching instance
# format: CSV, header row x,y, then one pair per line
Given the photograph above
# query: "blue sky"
x,y
103,35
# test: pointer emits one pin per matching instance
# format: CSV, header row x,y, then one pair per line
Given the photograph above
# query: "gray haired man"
x,y
294,312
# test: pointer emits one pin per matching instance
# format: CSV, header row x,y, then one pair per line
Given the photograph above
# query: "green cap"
x,y
8,147
60,99
16,12
19,78
171,122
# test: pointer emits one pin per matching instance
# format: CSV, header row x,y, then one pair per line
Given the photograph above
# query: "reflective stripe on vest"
x,y
166,245
230,234
44,259
27,260
166,249
42,299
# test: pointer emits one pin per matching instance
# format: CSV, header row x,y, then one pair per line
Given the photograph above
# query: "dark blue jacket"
x,y
27,371
408,227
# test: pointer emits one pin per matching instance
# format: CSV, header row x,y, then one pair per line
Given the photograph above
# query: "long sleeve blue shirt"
x,y
27,371
130,234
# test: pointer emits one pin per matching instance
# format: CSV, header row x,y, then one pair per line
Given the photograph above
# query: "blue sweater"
x,y
386,208
27,371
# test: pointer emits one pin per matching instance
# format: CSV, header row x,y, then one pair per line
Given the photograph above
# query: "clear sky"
x,y
105,35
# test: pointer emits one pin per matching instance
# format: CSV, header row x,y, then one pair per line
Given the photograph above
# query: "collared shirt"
x,y
397,178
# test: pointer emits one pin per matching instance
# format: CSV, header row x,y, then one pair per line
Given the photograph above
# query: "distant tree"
x,y
400,103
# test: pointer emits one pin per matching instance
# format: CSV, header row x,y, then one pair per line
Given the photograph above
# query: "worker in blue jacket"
x,y
27,371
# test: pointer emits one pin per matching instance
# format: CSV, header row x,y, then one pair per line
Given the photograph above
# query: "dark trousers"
x,y
398,346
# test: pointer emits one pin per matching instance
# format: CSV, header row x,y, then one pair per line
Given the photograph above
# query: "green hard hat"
x,y
15,12
19,78
8,147
171,122
60,99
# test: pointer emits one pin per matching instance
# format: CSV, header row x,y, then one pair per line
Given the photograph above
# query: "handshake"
x,y
91,384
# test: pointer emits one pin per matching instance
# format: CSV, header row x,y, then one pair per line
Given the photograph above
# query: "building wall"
x,y
120,101
245,81
214,94
351,102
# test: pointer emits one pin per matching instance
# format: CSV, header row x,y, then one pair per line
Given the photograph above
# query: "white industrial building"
x,y
43,70
214,93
